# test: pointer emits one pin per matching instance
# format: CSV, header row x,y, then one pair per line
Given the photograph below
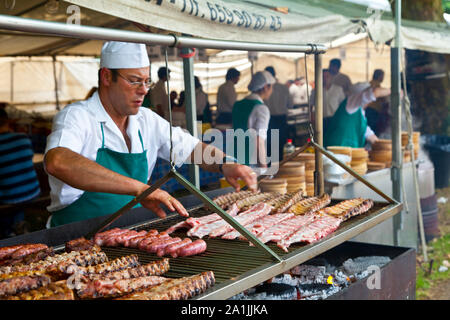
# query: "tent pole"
x,y
318,127
396,170
97,33
191,109
12,82
56,83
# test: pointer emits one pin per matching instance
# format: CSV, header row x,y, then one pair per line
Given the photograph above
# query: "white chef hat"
x,y
259,80
124,55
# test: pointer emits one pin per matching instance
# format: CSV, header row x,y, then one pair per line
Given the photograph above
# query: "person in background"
x,y
333,95
297,91
18,179
158,95
226,96
202,103
339,78
173,98
178,110
102,151
376,109
278,103
252,113
348,126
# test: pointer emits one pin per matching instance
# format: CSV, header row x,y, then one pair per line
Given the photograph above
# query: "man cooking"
x,y
101,152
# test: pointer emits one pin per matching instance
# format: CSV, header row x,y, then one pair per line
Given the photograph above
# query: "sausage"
x,y
172,249
127,240
100,238
135,241
160,244
6,252
21,250
28,249
148,240
196,247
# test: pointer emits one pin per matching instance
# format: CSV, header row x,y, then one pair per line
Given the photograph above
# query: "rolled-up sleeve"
x,y
69,130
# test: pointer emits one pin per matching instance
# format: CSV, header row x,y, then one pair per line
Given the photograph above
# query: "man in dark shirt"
x,y
18,179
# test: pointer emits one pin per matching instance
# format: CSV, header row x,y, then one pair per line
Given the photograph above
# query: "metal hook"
x,y
175,38
172,165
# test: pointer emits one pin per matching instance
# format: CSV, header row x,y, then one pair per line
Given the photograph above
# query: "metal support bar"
x,y
98,33
191,110
396,170
352,172
318,126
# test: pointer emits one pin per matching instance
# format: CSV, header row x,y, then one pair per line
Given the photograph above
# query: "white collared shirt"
x,y
78,128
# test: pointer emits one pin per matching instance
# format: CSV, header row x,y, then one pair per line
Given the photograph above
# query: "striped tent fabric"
x,y
18,179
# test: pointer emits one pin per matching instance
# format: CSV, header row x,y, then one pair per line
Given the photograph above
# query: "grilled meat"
x,y
16,254
348,208
309,205
224,201
254,213
155,268
233,210
54,291
176,289
196,247
219,227
79,244
112,288
106,267
160,244
21,274
173,248
57,264
30,258
311,232
284,228
251,200
259,225
17,285
285,201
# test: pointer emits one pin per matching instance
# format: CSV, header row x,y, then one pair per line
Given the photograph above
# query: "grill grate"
x,y
228,259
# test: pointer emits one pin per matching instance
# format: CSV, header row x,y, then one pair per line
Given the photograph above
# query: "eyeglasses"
x,y
136,84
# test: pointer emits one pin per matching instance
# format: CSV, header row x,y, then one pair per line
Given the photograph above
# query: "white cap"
x,y
124,55
259,80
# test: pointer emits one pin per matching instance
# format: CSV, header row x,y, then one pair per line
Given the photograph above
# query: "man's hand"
x,y
158,197
234,171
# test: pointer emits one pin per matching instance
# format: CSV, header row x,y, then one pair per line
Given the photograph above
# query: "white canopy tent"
x,y
333,23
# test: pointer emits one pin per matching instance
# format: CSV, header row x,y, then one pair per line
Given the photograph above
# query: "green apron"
x,y
240,114
344,129
95,204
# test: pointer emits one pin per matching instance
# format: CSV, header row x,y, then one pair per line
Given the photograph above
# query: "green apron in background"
x,y
344,129
95,204
240,115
